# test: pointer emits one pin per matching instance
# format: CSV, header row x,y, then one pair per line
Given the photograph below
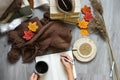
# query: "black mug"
x,y
41,67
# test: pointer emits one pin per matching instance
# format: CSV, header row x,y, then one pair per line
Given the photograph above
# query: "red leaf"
x,y
28,35
88,16
86,9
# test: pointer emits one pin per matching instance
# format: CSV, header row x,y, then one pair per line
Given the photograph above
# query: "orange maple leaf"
x,y
32,26
86,9
84,32
83,24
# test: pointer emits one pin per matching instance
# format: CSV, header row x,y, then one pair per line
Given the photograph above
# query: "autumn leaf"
x,y
83,24
86,9
84,32
88,16
32,26
28,35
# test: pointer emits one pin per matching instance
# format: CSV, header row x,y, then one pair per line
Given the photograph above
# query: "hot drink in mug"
x,y
41,67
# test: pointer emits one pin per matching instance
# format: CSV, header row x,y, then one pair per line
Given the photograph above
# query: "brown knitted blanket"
x,y
53,35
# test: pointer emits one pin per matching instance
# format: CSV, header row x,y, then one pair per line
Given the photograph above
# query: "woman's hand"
x,y
67,65
34,77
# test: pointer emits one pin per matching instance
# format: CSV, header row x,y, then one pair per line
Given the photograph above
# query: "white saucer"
x,y
92,50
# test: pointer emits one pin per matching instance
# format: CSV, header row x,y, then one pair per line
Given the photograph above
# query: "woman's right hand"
x,y
67,65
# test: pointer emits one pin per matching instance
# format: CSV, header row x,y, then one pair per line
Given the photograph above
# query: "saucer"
x,y
84,49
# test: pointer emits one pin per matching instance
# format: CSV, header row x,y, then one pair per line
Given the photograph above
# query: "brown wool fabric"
x,y
14,55
53,35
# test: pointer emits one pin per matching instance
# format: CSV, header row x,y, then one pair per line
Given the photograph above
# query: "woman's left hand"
x,y
34,77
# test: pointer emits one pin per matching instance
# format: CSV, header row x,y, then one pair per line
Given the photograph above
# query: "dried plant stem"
x,y
113,59
112,54
100,27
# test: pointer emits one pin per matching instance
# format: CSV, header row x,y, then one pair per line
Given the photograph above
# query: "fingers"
x,y
34,77
38,77
63,61
67,56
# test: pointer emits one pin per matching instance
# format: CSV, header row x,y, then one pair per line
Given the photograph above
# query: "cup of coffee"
x,y
41,67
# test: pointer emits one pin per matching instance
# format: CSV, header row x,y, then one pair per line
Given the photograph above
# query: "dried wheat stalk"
x,y
98,25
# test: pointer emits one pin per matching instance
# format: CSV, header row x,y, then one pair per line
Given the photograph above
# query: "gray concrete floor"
x,y
97,69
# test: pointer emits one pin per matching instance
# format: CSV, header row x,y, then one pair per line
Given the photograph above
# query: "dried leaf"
x,y
84,32
33,26
86,9
28,35
83,24
88,16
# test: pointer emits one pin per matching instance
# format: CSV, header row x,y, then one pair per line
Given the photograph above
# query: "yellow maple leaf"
x,y
84,32
32,26
83,24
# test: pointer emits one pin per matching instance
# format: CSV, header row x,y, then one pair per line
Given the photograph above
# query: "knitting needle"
x,y
68,60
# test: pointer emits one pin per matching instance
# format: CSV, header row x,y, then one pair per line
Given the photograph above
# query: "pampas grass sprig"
x,y
98,25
